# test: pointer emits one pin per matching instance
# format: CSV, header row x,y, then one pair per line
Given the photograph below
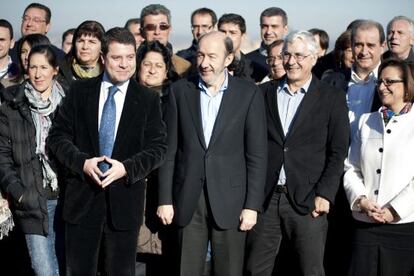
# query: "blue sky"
x,y
330,15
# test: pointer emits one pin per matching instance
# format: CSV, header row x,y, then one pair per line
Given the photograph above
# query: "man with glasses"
x,y
308,135
203,21
274,60
273,26
35,20
156,25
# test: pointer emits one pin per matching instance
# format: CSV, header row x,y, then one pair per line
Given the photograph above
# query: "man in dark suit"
x,y
308,133
273,26
212,182
108,135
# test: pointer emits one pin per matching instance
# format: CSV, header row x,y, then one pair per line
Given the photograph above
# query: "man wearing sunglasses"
x,y
156,25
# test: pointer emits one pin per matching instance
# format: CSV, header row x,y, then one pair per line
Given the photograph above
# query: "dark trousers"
x,y
85,244
227,246
382,249
305,235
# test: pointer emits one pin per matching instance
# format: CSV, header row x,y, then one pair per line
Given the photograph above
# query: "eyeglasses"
x,y
201,27
298,57
271,60
36,20
153,27
387,82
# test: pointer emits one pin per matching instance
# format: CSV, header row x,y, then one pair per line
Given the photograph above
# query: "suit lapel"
x,y
193,101
129,112
305,108
92,111
271,101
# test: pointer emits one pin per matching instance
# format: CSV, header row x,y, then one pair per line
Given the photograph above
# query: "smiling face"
x,y
392,95
400,39
152,70
367,49
212,59
41,73
88,50
272,28
120,62
298,62
275,62
34,22
202,23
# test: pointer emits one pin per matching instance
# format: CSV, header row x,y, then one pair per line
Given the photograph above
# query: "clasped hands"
x,y
374,211
103,179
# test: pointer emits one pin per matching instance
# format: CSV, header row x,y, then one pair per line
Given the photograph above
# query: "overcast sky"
x,y
330,15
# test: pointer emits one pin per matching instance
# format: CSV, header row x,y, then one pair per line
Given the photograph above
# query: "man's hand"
x,y
248,219
116,171
165,213
389,215
91,169
321,207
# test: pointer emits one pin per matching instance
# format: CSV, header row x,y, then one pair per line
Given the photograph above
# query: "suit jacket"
x,y
260,68
140,144
314,150
232,168
379,165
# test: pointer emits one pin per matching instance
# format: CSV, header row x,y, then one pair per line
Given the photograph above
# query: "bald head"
x,y
217,36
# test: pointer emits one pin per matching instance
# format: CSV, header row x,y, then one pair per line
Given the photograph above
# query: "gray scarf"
x,y
41,111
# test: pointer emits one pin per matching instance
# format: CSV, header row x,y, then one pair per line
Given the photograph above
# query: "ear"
x,y
102,58
383,46
56,71
48,27
228,60
12,41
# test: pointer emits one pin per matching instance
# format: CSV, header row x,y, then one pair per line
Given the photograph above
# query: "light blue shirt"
x,y
210,105
288,103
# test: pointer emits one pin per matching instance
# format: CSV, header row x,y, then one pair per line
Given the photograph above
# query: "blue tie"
x,y
107,127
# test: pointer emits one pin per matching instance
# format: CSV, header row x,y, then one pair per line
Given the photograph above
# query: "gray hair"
x,y
403,18
155,9
306,37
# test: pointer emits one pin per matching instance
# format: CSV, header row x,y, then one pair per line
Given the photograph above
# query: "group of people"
x,y
238,157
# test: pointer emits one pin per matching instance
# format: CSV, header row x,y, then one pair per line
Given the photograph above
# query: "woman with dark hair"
x,y
154,67
379,179
83,61
23,51
26,173
343,51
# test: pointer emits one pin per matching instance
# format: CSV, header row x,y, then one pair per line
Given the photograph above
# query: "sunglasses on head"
x,y
153,27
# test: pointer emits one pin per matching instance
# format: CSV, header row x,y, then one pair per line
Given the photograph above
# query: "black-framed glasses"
x,y
153,27
36,20
388,82
271,60
297,56
201,27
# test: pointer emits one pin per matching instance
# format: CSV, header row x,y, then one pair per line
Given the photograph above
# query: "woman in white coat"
x,y
379,179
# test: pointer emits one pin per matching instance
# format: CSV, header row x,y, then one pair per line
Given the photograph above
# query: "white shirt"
x,y
5,70
119,98
360,96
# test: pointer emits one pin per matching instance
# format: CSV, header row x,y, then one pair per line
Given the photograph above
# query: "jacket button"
x,y
286,149
378,171
376,192
380,149
388,131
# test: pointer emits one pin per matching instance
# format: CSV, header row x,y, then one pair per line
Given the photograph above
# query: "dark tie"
x,y
107,127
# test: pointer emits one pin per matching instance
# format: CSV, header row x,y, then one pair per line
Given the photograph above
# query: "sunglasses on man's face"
x,y
153,27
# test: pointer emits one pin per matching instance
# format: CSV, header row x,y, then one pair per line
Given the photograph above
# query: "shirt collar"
x,y
371,76
283,86
122,87
263,49
203,88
